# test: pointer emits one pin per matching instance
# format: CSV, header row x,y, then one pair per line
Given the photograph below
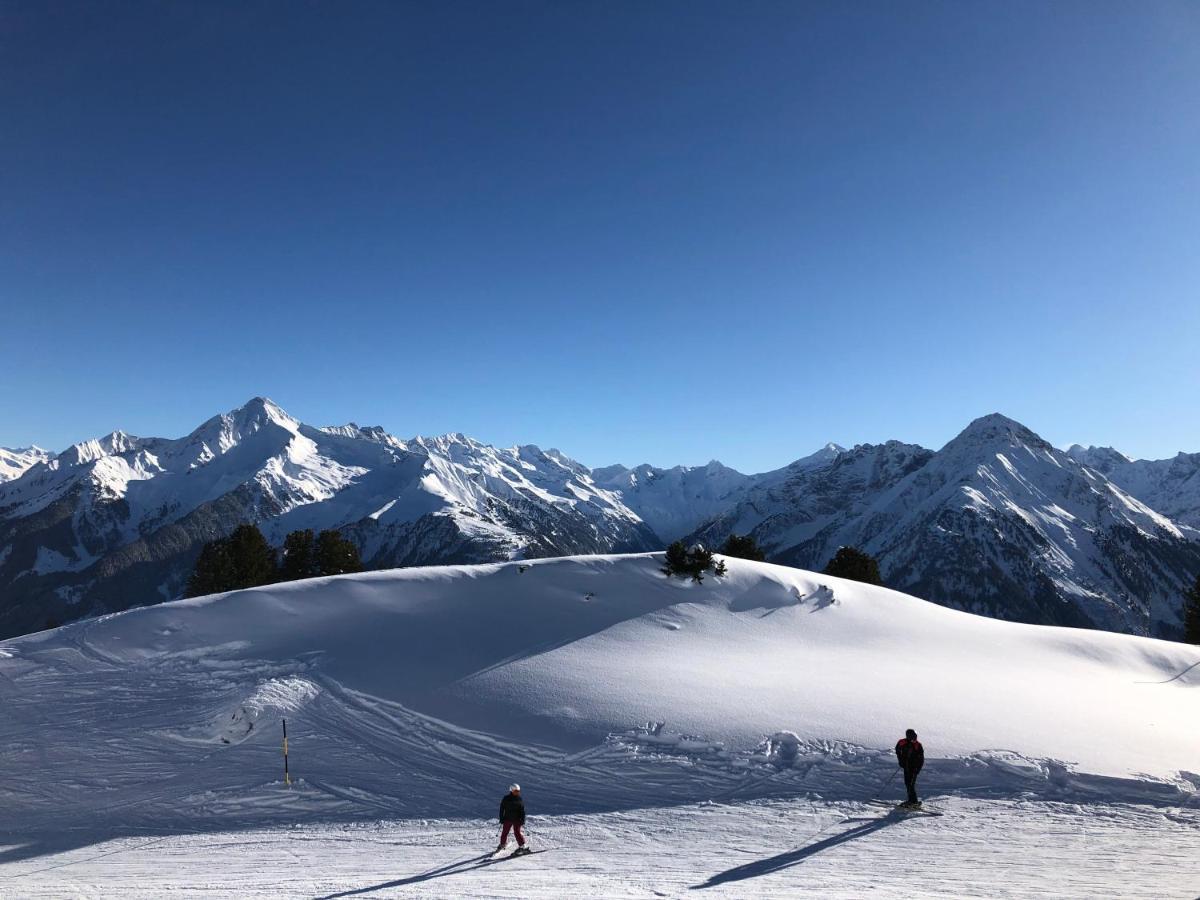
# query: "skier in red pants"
x,y
512,817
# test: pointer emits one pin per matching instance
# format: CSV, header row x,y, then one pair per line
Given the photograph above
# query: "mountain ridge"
x,y
996,521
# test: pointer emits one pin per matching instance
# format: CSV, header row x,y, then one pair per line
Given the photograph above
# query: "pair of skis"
x,y
499,855
905,808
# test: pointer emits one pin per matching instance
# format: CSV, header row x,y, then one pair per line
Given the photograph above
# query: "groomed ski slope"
x,y
618,698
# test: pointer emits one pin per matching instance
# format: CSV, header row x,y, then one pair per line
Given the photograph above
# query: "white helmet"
x,y
514,787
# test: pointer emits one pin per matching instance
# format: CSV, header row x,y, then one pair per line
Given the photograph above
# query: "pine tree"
x,y
676,561
299,556
743,547
213,572
700,560
1191,614
852,563
335,555
253,558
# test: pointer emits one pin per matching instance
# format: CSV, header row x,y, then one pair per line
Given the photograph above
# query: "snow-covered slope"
x,y
16,462
668,736
1171,486
770,682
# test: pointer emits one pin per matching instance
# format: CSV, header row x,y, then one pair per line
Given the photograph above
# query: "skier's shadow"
x,y
796,857
463,865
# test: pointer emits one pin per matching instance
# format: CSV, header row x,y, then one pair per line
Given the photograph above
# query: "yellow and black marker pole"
x,y
287,779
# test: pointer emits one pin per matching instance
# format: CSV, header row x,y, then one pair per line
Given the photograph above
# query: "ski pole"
x,y
287,779
886,784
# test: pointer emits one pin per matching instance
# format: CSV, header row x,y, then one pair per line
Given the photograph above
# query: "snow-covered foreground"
x,y
777,848
141,752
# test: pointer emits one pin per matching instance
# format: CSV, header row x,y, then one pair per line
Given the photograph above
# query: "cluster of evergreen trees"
x,y
245,559
694,562
327,554
743,547
848,562
852,563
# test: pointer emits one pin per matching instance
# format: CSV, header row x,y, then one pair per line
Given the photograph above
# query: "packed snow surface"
x,y
779,849
647,718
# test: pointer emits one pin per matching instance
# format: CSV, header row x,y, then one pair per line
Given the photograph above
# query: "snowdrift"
x,y
596,681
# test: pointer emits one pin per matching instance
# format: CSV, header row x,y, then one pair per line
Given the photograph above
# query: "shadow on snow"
x,y
454,868
796,857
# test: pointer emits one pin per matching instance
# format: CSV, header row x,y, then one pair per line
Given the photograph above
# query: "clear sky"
x,y
651,231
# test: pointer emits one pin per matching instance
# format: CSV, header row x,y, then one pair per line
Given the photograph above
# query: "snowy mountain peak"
x,y
826,454
113,444
260,411
1000,429
253,416
1103,459
222,433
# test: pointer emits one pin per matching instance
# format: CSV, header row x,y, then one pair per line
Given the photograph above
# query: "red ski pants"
x,y
516,830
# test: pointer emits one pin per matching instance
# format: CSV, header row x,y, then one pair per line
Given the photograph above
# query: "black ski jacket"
x,y
911,755
512,809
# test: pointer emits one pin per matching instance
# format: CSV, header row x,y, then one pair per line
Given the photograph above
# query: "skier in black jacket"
x,y
512,816
911,756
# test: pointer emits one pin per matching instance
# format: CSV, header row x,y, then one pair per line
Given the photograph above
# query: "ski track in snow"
x,y
138,762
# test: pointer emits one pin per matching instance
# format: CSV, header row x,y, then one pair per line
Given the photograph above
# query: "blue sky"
x,y
659,232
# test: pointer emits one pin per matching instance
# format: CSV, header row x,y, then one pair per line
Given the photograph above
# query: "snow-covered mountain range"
x,y
16,462
1171,486
997,521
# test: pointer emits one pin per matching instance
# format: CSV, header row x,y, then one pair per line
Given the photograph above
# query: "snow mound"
x,y
595,681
